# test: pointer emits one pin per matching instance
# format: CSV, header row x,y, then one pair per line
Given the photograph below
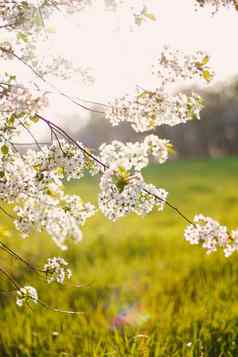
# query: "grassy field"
x,y
146,292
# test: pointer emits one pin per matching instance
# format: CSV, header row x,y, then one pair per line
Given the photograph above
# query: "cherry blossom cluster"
x,y
211,235
20,14
18,105
149,109
174,65
137,153
58,214
34,183
122,186
15,98
16,177
56,269
60,218
123,192
123,189
26,295
28,15
61,158
217,4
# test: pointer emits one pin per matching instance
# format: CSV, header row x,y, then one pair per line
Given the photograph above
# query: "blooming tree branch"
x,y
32,182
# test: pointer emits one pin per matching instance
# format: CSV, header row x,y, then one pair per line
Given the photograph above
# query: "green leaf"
x,y
10,120
60,171
207,75
22,36
37,19
142,94
4,149
171,149
149,16
138,20
12,77
51,29
205,60
34,119
121,184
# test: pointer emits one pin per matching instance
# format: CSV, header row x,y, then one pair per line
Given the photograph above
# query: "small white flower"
x,y
56,270
211,235
25,295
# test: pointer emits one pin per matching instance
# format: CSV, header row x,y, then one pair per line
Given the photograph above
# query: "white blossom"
x,y
57,270
60,217
34,184
215,5
137,153
124,192
18,105
61,157
174,65
158,148
211,235
26,295
233,244
148,109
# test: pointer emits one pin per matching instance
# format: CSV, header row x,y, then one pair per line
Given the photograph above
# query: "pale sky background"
x,y
120,59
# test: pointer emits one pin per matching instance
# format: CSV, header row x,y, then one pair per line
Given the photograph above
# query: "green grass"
x,y
181,301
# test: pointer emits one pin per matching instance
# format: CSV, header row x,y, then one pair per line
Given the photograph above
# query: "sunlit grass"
x,y
178,300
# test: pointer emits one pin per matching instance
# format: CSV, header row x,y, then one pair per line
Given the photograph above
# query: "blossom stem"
x,y
46,306
17,256
31,135
171,206
6,213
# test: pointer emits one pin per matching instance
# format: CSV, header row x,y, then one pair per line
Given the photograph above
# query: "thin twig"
x,y
59,310
17,256
6,213
31,135
169,205
32,144
10,278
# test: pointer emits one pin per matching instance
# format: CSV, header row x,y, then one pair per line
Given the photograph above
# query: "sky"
x,y
121,58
